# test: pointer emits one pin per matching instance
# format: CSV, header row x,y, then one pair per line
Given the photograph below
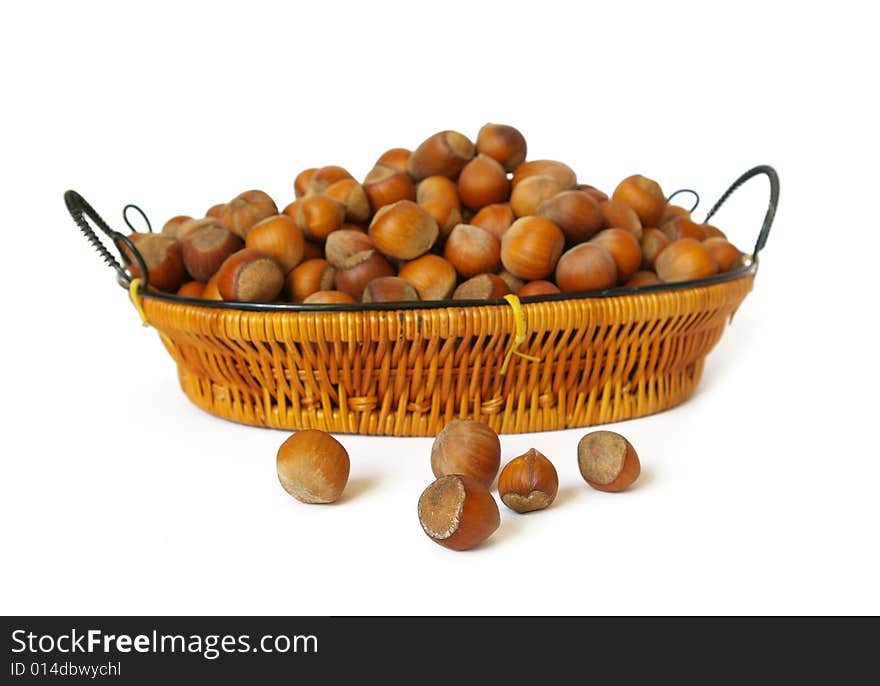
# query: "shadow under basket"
x,y
536,364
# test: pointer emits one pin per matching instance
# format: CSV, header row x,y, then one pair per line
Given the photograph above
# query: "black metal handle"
x,y
771,174
686,190
80,210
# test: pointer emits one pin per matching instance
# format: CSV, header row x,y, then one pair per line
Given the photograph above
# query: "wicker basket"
x,y
547,362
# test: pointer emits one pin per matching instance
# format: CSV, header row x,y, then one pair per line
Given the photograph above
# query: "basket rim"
x,y
749,267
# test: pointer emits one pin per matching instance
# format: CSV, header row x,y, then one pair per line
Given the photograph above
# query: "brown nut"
x,y
386,185
403,230
586,267
644,195
389,289
624,248
443,154
191,289
280,237
653,242
354,279
397,158
538,287
163,258
503,143
245,210
684,260
172,225
562,173
432,276
216,211
527,196
514,283
481,287
496,219
643,278
302,181
250,275
683,227
447,217
211,292
348,247
325,177
725,253
353,196
671,212
575,212
607,461
187,228
482,182
620,216
438,188
528,482
206,248
313,466
592,191
472,250
458,512
713,231
328,298
467,446
531,247
310,277
319,215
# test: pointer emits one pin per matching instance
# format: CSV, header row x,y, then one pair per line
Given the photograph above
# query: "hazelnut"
x,y
312,250
586,267
319,215
643,278
625,250
644,195
302,181
443,154
245,210
191,289
187,228
592,191
620,216
280,237
531,247
504,144
684,260
211,292
313,466
347,247
216,211
325,177
310,277
292,209
607,461
387,289
472,250
653,242
575,212
328,298
250,275
496,219
438,188
432,276
671,212
163,258
397,158
482,182
514,283
563,174
683,227
386,185
354,279
528,482
538,287
206,248
713,231
458,512
725,253
172,225
353,196
467,446
447,217
527,196
403,230
482,287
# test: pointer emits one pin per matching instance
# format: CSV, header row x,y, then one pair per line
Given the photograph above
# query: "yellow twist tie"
x,y
520,334
135,298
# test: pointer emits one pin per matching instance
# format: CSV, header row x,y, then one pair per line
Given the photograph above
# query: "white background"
x,y
759,495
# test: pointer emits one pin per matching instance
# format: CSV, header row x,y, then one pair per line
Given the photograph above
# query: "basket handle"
x,y
760,170
80,210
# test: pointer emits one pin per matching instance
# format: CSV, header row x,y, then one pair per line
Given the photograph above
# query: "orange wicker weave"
x,y
407,371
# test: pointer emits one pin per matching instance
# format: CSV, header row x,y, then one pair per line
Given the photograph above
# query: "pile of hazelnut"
x,y
449,220
457,510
